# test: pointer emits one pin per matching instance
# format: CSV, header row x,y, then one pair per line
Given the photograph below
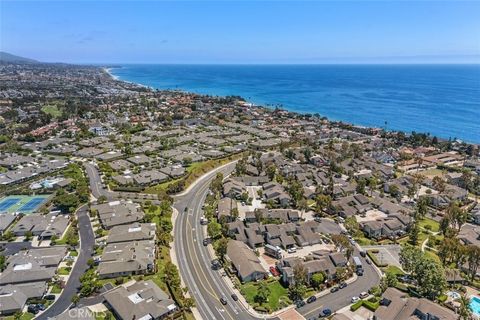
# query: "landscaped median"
x,y
194,171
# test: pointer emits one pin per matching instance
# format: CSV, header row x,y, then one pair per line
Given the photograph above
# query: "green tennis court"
x,y
22,204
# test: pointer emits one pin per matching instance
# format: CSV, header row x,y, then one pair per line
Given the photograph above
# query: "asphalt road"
x,y
95,182
207,286
342,298
87,241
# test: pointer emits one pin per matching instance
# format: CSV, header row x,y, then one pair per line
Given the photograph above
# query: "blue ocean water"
x,y
443,100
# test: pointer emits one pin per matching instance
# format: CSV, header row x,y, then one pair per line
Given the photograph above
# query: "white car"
x,y
364,295
292,250
355,299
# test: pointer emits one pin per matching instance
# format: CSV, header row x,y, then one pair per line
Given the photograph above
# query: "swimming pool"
x,y
475,305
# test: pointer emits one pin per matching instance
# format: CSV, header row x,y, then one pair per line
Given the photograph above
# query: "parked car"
x,y
203,221
274,271
368,261
325,312
342,285
363,253
364,295
311,299
223,301
292,250
205,242
234,297
49,297
216,264
334,289
300,303
41,306
32,308
355,299
360,272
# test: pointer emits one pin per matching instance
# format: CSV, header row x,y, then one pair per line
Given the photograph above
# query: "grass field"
x,y
52,110
434,225
277,294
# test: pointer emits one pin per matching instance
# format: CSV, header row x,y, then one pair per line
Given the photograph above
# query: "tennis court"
x,y
23,204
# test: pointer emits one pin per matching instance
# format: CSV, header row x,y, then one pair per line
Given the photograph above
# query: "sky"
x,y
242,31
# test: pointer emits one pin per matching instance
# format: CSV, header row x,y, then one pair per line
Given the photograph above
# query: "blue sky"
x,y
242,32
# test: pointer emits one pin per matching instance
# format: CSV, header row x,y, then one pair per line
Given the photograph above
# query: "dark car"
x,y
311,299
205,242
234,297
334,289
368,261
342,285
325,312
33,309
363,253
300,303
360,272
49,297
41,306
223,301
216,264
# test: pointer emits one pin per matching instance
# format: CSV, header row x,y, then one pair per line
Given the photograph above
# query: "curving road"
x,y
87,241
207,286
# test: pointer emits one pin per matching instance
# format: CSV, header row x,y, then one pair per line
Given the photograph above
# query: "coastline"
x,y
294,110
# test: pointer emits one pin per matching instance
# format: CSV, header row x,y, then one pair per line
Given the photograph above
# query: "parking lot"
x,y
389,254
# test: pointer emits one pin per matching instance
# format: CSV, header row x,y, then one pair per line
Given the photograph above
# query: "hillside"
x,y
10,58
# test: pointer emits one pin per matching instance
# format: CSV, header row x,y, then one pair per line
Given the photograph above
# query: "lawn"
x,y
277,299
434,225
393,269
73,253
52,110
432,255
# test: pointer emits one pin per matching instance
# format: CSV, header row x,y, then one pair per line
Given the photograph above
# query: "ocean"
x,y
443,100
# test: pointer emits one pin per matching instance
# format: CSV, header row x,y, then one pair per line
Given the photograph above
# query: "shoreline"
x,y
291,110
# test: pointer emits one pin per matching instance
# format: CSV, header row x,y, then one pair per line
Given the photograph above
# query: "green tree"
x,y
473,259
221,247
214,229
322,202
263,291
465,311
317,280
298,288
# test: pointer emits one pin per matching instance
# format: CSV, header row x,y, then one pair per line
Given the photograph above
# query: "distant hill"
x,y
10,58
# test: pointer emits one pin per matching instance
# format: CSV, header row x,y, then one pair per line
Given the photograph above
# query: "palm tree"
x,y
465,310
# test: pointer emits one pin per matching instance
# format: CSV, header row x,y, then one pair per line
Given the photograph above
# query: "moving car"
x,y
205,242
360,272
364,295
223,301
311,299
